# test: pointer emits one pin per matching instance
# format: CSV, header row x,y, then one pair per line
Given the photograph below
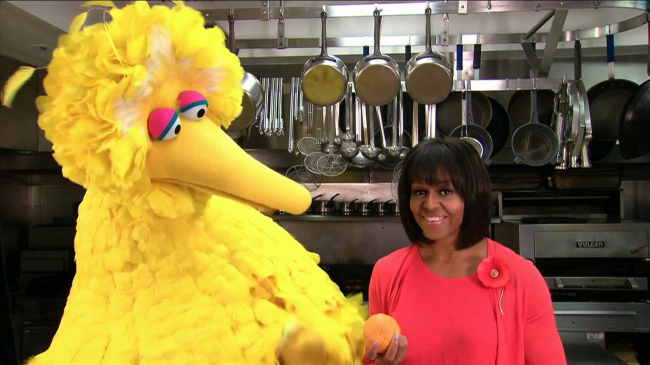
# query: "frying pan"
x,y
428,75
324,77
598,149
377,77
635,128
534,144
253,92
499,127
449,110
608,100
519,107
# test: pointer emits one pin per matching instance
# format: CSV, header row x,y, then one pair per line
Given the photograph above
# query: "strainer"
x,y
397,173
311,160
301,175
309,144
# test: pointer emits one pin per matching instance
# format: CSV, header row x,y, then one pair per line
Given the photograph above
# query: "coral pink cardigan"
x,y
526,330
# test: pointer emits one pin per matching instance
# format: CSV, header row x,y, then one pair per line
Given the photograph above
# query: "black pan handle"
x,y
407,52
610,55
477,56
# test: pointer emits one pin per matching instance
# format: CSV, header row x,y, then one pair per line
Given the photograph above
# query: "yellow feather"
x,y
78,22
15,82
88,4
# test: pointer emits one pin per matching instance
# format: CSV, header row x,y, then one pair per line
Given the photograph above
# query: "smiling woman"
x,y
459,297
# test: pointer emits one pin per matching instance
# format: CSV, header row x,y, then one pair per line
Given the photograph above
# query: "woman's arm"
x,y
542,344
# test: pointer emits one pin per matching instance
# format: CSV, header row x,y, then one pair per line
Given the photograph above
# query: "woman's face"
x,y
438,210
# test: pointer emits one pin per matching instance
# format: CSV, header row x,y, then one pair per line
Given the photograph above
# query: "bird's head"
x,y
135,106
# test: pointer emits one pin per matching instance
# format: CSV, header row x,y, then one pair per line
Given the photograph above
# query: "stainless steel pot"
x,y
377,77
324,207
348,208
428,75
253,93
324,77
365,208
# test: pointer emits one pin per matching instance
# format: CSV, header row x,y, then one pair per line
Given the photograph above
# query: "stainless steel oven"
x,y
597,273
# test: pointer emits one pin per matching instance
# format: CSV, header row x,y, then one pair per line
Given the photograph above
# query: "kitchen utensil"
x,y
253,98
394,150
331,164
377,77
365,208
368,151
449,111
380,208
309,144
541,136
324,77
519,107
311,160
348,208
360,160
609,99
301,175
428,75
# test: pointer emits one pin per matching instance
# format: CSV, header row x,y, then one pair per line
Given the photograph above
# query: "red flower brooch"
x,y
494,272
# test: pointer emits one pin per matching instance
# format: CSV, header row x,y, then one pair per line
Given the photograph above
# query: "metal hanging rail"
x,y
360,41
264,12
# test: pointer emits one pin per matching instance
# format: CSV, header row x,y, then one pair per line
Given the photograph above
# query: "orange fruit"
x,y
381,328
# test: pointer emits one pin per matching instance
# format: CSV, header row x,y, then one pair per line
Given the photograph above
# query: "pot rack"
x,y
281,13
556,10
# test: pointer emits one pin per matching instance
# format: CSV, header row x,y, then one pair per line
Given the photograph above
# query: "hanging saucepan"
x,y
633,139
534,144
608,100
476,135
377,77
449,110
324,77
428,75
253,92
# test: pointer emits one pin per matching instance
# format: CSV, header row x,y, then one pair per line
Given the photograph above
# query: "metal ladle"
x,y
368,150
395,150
360,160
349,147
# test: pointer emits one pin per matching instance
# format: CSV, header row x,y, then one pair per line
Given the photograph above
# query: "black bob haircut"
x,y
438,160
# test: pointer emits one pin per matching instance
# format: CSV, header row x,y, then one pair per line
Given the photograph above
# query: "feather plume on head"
x,y
105,79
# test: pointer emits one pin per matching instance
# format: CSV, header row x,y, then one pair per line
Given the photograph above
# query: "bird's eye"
x,y
193,104
164,124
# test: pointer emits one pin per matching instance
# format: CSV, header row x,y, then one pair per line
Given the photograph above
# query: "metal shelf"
x,y
508,84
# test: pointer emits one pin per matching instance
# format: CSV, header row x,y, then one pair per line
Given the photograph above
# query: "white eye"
x,y
196,110
164,124
173,130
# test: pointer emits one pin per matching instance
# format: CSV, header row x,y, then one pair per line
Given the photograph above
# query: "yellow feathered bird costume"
x,y
175,262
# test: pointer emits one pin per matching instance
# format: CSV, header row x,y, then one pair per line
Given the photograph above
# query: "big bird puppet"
x,y
175,262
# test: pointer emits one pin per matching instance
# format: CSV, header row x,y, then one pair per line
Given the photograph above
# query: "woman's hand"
x,y
394,355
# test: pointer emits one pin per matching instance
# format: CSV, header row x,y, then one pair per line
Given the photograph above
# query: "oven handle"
x,y
630,283
594,313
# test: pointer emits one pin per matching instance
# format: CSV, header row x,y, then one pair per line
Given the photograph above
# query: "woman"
x,y
459,297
